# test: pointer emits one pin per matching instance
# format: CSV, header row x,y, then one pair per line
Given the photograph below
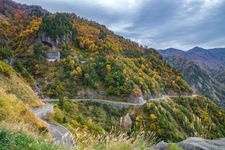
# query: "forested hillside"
x,y
182,117
94,61
200,79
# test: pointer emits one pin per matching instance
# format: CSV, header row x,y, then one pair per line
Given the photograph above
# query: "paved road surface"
x,y
120,104
60,134
42,111
169,97
101,101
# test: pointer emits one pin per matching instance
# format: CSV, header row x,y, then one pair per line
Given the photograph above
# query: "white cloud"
x,y
111,5
120,27
196,10
118,4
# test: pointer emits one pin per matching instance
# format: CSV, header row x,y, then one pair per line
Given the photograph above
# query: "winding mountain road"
x,y
60,134
121,104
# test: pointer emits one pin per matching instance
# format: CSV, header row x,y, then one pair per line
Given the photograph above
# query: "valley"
x,y
201,68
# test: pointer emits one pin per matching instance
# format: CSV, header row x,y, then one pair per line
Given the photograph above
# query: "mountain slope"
x,y
179,118
94,61
12,83
192,64
200,79
16,100
220,76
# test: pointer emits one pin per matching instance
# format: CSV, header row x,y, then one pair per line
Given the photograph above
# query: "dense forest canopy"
x,y
57,26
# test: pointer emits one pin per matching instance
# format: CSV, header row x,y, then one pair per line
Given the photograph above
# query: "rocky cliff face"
x,y
55,42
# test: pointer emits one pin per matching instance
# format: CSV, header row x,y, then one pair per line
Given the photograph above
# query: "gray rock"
x,y
195,143
136,99
126,122
161,146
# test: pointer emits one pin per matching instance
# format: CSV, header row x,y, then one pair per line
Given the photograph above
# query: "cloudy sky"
x,y
155,23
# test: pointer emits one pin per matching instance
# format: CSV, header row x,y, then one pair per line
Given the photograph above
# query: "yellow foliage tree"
x,y
108,68
32,28
139,118
137,91
89,122
143,67
153,116
79,70
124,71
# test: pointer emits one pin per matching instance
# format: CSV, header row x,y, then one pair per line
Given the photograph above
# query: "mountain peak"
x,y
196,48
171,51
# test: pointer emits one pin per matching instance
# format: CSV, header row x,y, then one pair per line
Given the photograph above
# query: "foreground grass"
x,y
18,141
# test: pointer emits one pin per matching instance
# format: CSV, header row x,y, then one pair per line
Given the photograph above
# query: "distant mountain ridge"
x,y
202,68
209,59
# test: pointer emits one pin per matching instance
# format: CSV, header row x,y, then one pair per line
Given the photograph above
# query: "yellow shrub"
x,y
139,118
153,116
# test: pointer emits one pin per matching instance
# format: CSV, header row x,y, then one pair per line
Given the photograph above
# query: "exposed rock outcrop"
x,y
126,122
195,143
136,99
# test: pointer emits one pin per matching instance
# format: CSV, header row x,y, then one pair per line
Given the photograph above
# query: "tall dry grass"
x,y
114,140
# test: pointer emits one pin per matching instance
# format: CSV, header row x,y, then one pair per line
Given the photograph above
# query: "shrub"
x,y
5,69
5,53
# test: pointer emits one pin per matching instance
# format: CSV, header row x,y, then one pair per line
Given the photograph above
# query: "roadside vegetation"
x,y
176,119
17,140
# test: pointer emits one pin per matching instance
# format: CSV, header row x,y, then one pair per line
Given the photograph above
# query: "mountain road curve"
x,y
60,134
